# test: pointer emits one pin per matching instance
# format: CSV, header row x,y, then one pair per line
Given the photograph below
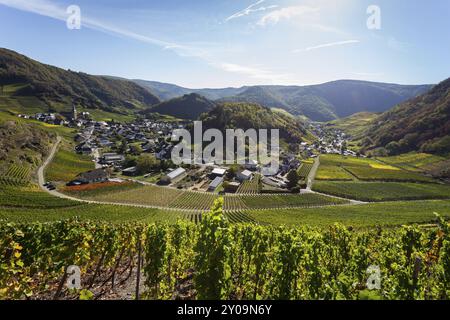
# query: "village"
x,y
140,151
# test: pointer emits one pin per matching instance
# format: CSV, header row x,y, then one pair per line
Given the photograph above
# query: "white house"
x,y
176,174
215,183
218,172
244,175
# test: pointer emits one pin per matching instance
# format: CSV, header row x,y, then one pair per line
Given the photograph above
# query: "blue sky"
x,y
221,43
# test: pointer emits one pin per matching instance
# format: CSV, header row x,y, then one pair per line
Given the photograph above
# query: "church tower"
x,y
74,112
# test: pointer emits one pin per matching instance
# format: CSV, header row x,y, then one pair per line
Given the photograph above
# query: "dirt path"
x,y
47,161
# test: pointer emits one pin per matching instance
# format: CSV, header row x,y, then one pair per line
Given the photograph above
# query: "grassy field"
x,y
413,161
380,191
336,167
329,172
340,161
378,173
359,216
102,115
67,165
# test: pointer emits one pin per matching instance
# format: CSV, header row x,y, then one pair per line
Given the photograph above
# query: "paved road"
x,y
312,174
47,162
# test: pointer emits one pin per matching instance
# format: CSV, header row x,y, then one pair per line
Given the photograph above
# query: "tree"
x,y
122,146
393,148
135,149
293,179
232,171
146,163
343,147
130,161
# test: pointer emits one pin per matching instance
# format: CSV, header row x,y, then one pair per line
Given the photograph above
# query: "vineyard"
x,y
289,200
16,176
376,174
199,201
67,165
363,216
194,200
304,170
413,161
30,196
139,194
340,168
380,191
251,186
218,260
233,203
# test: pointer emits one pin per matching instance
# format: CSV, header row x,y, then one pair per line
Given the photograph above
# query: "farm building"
x,y
112,158
131,171
232,187
251,165
269,171
215,183
218,172
97,175
176,174
244,175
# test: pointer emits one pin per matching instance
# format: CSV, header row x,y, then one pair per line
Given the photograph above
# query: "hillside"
x,y
167,91
331,100
321,102
189,106
22,145
56,88
249,115
420,124
354,125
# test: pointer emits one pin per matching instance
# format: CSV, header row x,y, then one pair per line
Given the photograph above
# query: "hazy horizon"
x,y
226,43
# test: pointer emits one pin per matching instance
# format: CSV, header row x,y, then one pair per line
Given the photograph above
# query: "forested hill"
x,y
55,86
321,102
420,124
189,106
331,100
249,115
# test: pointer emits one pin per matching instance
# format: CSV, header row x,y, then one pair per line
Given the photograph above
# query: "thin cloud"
x,y
254,72
367,74
286,13
48,9
327,45
250,9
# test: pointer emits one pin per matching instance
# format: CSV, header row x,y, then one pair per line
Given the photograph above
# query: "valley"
x,y
100,169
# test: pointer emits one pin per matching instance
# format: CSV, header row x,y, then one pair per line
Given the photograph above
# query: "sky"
x,y
232,43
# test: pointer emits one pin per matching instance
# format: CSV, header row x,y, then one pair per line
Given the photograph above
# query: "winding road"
x,y
41,180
